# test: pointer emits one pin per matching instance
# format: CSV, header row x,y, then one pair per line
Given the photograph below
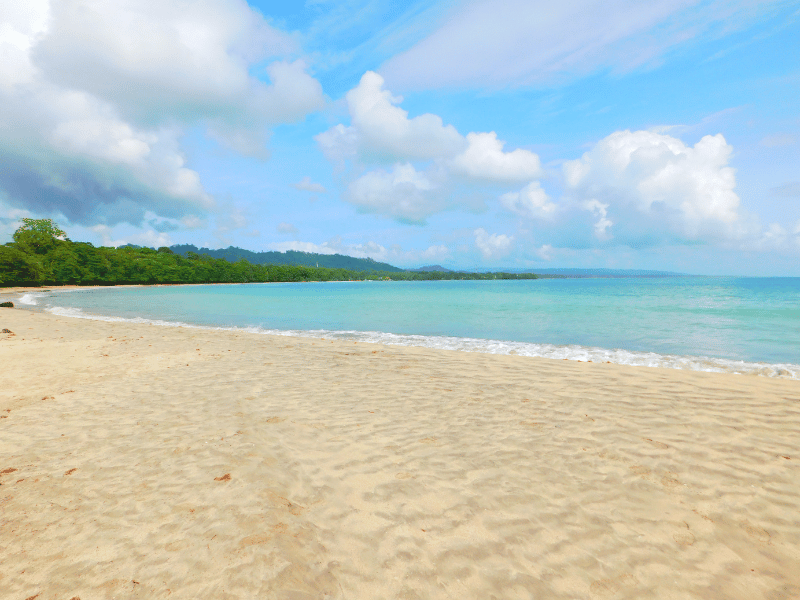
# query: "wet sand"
x,y
139,461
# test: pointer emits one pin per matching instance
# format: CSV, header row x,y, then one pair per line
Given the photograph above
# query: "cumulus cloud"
x,y
306,185
96,96
381,132
402,193
381,129
492,246
154,58
530,201
644,180
484,159
603,223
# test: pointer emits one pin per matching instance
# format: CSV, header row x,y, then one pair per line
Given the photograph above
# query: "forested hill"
x,y
41,254
290,257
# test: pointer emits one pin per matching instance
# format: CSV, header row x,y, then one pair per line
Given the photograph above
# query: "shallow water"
x,y
742,325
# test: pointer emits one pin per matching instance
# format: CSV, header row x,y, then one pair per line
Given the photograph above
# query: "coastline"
x,y
194,463
28,298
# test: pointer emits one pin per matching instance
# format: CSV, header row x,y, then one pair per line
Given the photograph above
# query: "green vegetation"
x,y
41,254
290,257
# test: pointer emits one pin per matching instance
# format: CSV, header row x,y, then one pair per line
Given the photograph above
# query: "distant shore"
x,y
189,463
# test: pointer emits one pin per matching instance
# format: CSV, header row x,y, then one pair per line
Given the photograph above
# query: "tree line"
x,y
41,254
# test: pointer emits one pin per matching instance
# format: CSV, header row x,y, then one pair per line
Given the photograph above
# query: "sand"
x,y
149,462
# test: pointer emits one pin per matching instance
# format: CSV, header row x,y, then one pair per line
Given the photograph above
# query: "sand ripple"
x,y
144,462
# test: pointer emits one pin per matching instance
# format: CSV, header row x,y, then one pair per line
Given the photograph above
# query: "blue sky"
x,y
482,135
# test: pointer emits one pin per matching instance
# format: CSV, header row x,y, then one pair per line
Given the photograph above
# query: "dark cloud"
x,y
82,192
95,102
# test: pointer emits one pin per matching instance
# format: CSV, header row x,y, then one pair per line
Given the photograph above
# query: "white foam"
x,y
571,352
30,299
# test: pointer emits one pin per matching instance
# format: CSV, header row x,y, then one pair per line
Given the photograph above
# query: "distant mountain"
x,y
605,273
432,268
290,257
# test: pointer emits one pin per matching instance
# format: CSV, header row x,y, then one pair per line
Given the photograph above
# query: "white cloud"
x,y
381,129
302,247
484,159
338,143
106,236
193,222
230,219
775,237
402,193
518,42
150,238
492,246
306,185
96,96
394,255
603,223
385,129
434,252
545,252
151,58
530,201
335,245
653,182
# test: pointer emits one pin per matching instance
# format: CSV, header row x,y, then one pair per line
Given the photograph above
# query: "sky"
x,y
502,134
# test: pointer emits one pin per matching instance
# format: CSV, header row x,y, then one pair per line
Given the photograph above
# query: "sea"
x,y
749,326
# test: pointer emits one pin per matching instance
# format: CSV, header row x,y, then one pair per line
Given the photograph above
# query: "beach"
x,y
142,461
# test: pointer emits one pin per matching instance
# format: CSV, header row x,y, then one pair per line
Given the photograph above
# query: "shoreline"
x,y
577,353
187,463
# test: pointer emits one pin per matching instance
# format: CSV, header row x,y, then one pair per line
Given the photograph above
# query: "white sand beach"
x,y
139,461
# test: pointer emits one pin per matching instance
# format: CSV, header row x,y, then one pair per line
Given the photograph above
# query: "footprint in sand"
x,y
176,546
670,480
404,475
684,537
762,535
659,445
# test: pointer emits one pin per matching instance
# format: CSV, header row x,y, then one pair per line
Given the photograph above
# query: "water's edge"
x,y
562,352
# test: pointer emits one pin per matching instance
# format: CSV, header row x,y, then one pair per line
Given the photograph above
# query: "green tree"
x,y
19,268
39,236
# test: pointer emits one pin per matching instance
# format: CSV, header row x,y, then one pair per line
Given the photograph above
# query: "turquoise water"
x,y
746,325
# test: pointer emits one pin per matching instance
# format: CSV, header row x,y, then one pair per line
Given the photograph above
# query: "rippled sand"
x,y
148,462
